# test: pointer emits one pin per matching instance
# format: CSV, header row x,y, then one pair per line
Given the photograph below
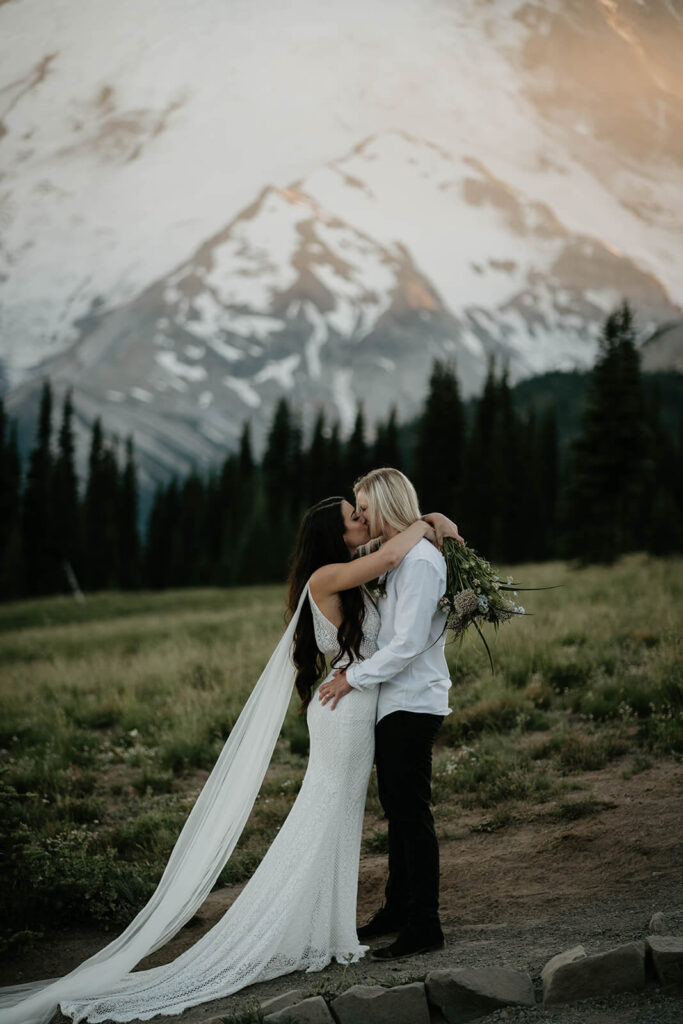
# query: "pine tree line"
x,y
624,488
52,539
502,474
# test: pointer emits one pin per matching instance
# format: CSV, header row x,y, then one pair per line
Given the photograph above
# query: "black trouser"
x,y
403,754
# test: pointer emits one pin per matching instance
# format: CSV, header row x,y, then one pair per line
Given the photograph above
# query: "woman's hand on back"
x,y
442,527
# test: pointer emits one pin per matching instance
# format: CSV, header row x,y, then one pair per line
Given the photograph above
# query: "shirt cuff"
x,y
350,674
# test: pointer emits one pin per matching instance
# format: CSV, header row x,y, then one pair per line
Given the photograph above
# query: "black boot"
x,y
411,941
385,922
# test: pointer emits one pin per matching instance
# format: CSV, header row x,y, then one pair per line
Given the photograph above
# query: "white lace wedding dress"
x,y
298,911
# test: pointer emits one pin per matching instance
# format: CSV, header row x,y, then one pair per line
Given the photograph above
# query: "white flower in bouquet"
x,y
474,592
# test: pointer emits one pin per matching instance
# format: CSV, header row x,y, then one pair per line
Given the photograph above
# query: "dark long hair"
x,y
320,541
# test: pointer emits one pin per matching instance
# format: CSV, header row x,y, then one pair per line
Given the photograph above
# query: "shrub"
x,y
241,866
297,734
181,752
376,841
150,834
60,878
578,752
150,781
567,676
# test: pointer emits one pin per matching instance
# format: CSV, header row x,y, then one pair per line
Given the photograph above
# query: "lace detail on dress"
x,y
298,911
326,631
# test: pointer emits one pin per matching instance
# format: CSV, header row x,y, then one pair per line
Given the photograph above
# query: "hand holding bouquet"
x,y
474,593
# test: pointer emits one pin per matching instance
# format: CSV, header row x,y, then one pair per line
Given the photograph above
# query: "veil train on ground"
x,y
205,843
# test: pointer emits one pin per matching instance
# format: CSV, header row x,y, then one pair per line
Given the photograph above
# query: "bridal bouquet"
x,y
474,593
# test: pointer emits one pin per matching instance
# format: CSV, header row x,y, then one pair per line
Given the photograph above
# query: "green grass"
x,y
113,712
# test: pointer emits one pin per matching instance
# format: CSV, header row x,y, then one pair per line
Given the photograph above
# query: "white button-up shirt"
x,y
410,664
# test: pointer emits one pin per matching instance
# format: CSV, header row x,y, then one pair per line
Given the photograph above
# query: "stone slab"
x,y
281,1002
568,980
308,1011
467,993
667,956
373,1004
567,957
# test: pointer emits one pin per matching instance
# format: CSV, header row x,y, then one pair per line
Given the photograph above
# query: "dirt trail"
x,y
512,897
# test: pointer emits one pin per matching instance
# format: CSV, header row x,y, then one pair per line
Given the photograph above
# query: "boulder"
x,y
373,1004
281,1002
568,957
309,1011
467,993
667,957
572,975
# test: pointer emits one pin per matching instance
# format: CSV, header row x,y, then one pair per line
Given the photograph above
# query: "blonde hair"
x,y
392,499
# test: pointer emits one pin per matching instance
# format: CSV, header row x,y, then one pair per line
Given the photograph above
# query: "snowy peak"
x,y
289,298
517,279
340,289
124,126
286,261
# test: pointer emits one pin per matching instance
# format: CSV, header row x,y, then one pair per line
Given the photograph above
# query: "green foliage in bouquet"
x,y
474,593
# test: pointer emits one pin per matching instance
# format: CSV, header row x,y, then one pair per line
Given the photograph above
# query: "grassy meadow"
x,y
114,711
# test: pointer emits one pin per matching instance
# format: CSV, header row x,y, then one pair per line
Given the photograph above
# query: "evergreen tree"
x,y
476,519
609,459
227,524
525,541
660,514
170,517
157,542
547,486
315,475
357,454
281,476
213,530
247,509
66,507
332,478
247,465
677,471
510,481
438,454
189,534
298,483
280,462
43,571
12,580
238,486
101,506
386,450
112,490
129,538
265,546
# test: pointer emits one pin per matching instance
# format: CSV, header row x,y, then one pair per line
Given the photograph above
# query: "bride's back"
x,y
326,631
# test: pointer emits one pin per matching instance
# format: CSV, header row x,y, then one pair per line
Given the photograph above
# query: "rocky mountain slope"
x,y
291,298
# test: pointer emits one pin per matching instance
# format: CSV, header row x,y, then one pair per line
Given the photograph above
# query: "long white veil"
x,y
205,843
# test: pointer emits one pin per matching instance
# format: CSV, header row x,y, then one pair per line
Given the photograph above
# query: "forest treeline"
x,y
518,490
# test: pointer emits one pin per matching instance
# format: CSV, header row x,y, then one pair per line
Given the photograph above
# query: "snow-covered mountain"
x,y
664,350
520,281
520,172
291,298
327,316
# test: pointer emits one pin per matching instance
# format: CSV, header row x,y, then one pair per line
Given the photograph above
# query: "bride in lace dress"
x,y
298,911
